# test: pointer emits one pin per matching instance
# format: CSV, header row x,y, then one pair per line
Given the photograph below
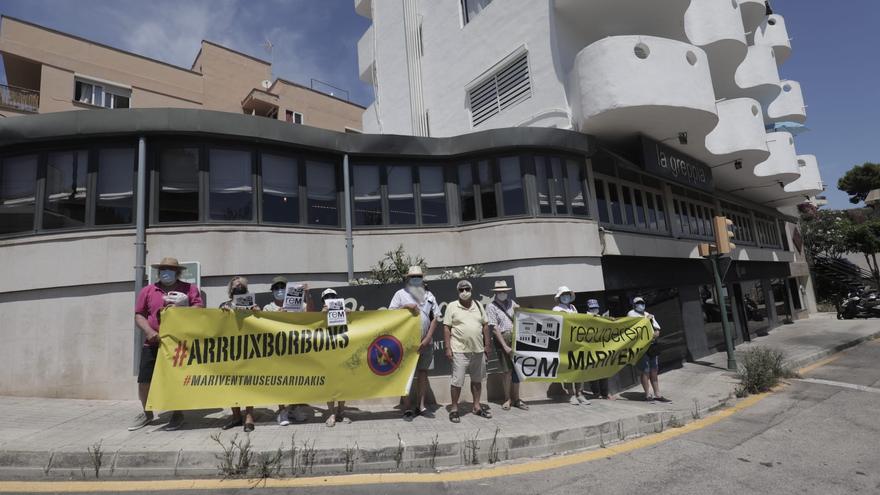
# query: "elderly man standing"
x,y
414,297
500,315
466,335
169,290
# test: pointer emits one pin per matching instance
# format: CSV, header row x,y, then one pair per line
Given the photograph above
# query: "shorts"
x,y
468,363
426,360
648,363
148,362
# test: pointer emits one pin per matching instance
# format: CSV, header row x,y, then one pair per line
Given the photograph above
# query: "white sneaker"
x,y
284,417
583,400
573,400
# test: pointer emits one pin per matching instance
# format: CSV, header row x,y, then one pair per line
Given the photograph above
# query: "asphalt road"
x,y
821,435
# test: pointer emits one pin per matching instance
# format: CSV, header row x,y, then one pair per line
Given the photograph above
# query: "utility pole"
x,y
715,252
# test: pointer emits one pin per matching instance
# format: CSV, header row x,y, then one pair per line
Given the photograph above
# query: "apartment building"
x,y
50,71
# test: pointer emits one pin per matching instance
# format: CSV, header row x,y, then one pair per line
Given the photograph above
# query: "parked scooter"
x,y
863,303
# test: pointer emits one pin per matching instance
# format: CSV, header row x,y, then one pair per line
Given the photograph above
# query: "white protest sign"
x,y
336,312
294,297
243,301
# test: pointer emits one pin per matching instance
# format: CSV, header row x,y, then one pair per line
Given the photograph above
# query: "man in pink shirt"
x,y
152,299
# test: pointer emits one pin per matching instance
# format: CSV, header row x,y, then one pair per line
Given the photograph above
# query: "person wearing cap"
x,y
416,298
500,317
466,336
649,366
238,285
565,303
600,386
335,410
169,290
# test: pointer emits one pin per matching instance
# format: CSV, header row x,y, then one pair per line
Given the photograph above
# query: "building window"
x,y
99,95
768,231
66,179
230,185
179,185
512,194
575,180
635,203
280,181
694,212
18,180
503,89
293,117
322,198
401,202
470,9
114,203
367,190
432,193
742,223
486,186
466,195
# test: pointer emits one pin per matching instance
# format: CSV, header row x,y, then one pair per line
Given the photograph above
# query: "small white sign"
x,y
336,315
294,297
243,301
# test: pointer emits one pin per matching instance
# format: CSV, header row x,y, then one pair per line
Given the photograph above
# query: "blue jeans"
x,y
647,363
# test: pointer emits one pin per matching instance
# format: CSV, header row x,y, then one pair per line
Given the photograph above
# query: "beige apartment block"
x,y
50,71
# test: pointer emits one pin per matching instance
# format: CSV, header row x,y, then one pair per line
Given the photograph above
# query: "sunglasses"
x,y
464,290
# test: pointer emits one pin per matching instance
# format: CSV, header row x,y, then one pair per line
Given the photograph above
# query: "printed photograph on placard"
x,y
243,301
336,315
538,332
294,299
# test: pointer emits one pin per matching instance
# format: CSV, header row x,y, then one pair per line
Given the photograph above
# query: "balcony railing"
x,y
25,100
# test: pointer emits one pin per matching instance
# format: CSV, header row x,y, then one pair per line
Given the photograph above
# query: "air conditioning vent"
x,y
507,87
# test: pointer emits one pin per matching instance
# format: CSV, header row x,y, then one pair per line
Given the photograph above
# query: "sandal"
x,y
426,413
505,406
484,413
519,404
248,427
454,417
232,422
408,415
331,421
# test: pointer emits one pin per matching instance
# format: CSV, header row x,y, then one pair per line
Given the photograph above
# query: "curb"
x,y
484,447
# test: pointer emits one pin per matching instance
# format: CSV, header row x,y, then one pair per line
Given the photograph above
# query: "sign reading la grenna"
x,y
570,347
211,358
659,159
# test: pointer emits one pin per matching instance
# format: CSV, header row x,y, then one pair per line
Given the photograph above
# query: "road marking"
x,y
852,386
381,478
819,364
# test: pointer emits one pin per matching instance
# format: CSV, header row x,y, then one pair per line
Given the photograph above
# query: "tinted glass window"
x,y
661,213
322,199
628,206
466,193
614,202
576,194
512,186
231,185
179,185
433,194
280,189
115,188
401,203
367,195
542,185
66,179
18,182
487,189
601,202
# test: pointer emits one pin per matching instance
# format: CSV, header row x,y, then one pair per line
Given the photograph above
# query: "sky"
x,y
834,53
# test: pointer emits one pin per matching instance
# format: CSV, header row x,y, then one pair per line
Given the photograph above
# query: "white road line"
x,y
841,384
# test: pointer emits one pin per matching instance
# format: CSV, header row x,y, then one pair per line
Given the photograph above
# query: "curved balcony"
x,y
626,85
597,19
753,14
716,26
788,106
757,77
810,181
773,33
366,57
738,143
771,175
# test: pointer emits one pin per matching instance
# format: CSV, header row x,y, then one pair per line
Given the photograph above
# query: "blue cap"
x,y
592,303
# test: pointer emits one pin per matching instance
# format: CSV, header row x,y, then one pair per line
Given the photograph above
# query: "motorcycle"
x,y
859,304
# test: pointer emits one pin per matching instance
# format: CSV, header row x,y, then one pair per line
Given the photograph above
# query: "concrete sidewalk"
x,y
49,438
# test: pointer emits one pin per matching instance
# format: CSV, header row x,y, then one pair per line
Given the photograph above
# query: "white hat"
x,y
328,292
562,290
415,271
638,299
501,286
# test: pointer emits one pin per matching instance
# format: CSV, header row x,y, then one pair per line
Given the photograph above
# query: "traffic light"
x,y
724,234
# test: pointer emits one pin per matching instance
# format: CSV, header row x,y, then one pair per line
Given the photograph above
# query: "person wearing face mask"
x,y
500,316
466,336
169,290
335,410
415,297
649,366
238,286
565,304
599,387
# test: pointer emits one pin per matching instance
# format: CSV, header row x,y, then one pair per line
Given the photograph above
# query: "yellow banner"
x,y
210,358
569,347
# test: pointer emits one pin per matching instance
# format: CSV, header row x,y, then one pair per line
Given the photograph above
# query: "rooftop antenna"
x,y
269,47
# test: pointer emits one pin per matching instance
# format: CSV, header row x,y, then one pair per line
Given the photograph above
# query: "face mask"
x,y
237,291
565,299
167,277
640,308
464,296
501,296
416,282
593,311
278,294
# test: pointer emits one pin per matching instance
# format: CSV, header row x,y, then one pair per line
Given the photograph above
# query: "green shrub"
x,y
760,370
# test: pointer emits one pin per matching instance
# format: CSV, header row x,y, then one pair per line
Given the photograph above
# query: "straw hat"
x,y
414,271
562,290
501,286
169,263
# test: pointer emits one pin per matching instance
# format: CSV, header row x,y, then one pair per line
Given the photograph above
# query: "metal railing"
x,y
26,100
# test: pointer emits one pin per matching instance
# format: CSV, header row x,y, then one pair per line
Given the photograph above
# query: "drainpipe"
x,y
349,240
140,243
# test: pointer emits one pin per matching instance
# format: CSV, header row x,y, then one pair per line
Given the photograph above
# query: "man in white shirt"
x,y
649,366
565,303
414,297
